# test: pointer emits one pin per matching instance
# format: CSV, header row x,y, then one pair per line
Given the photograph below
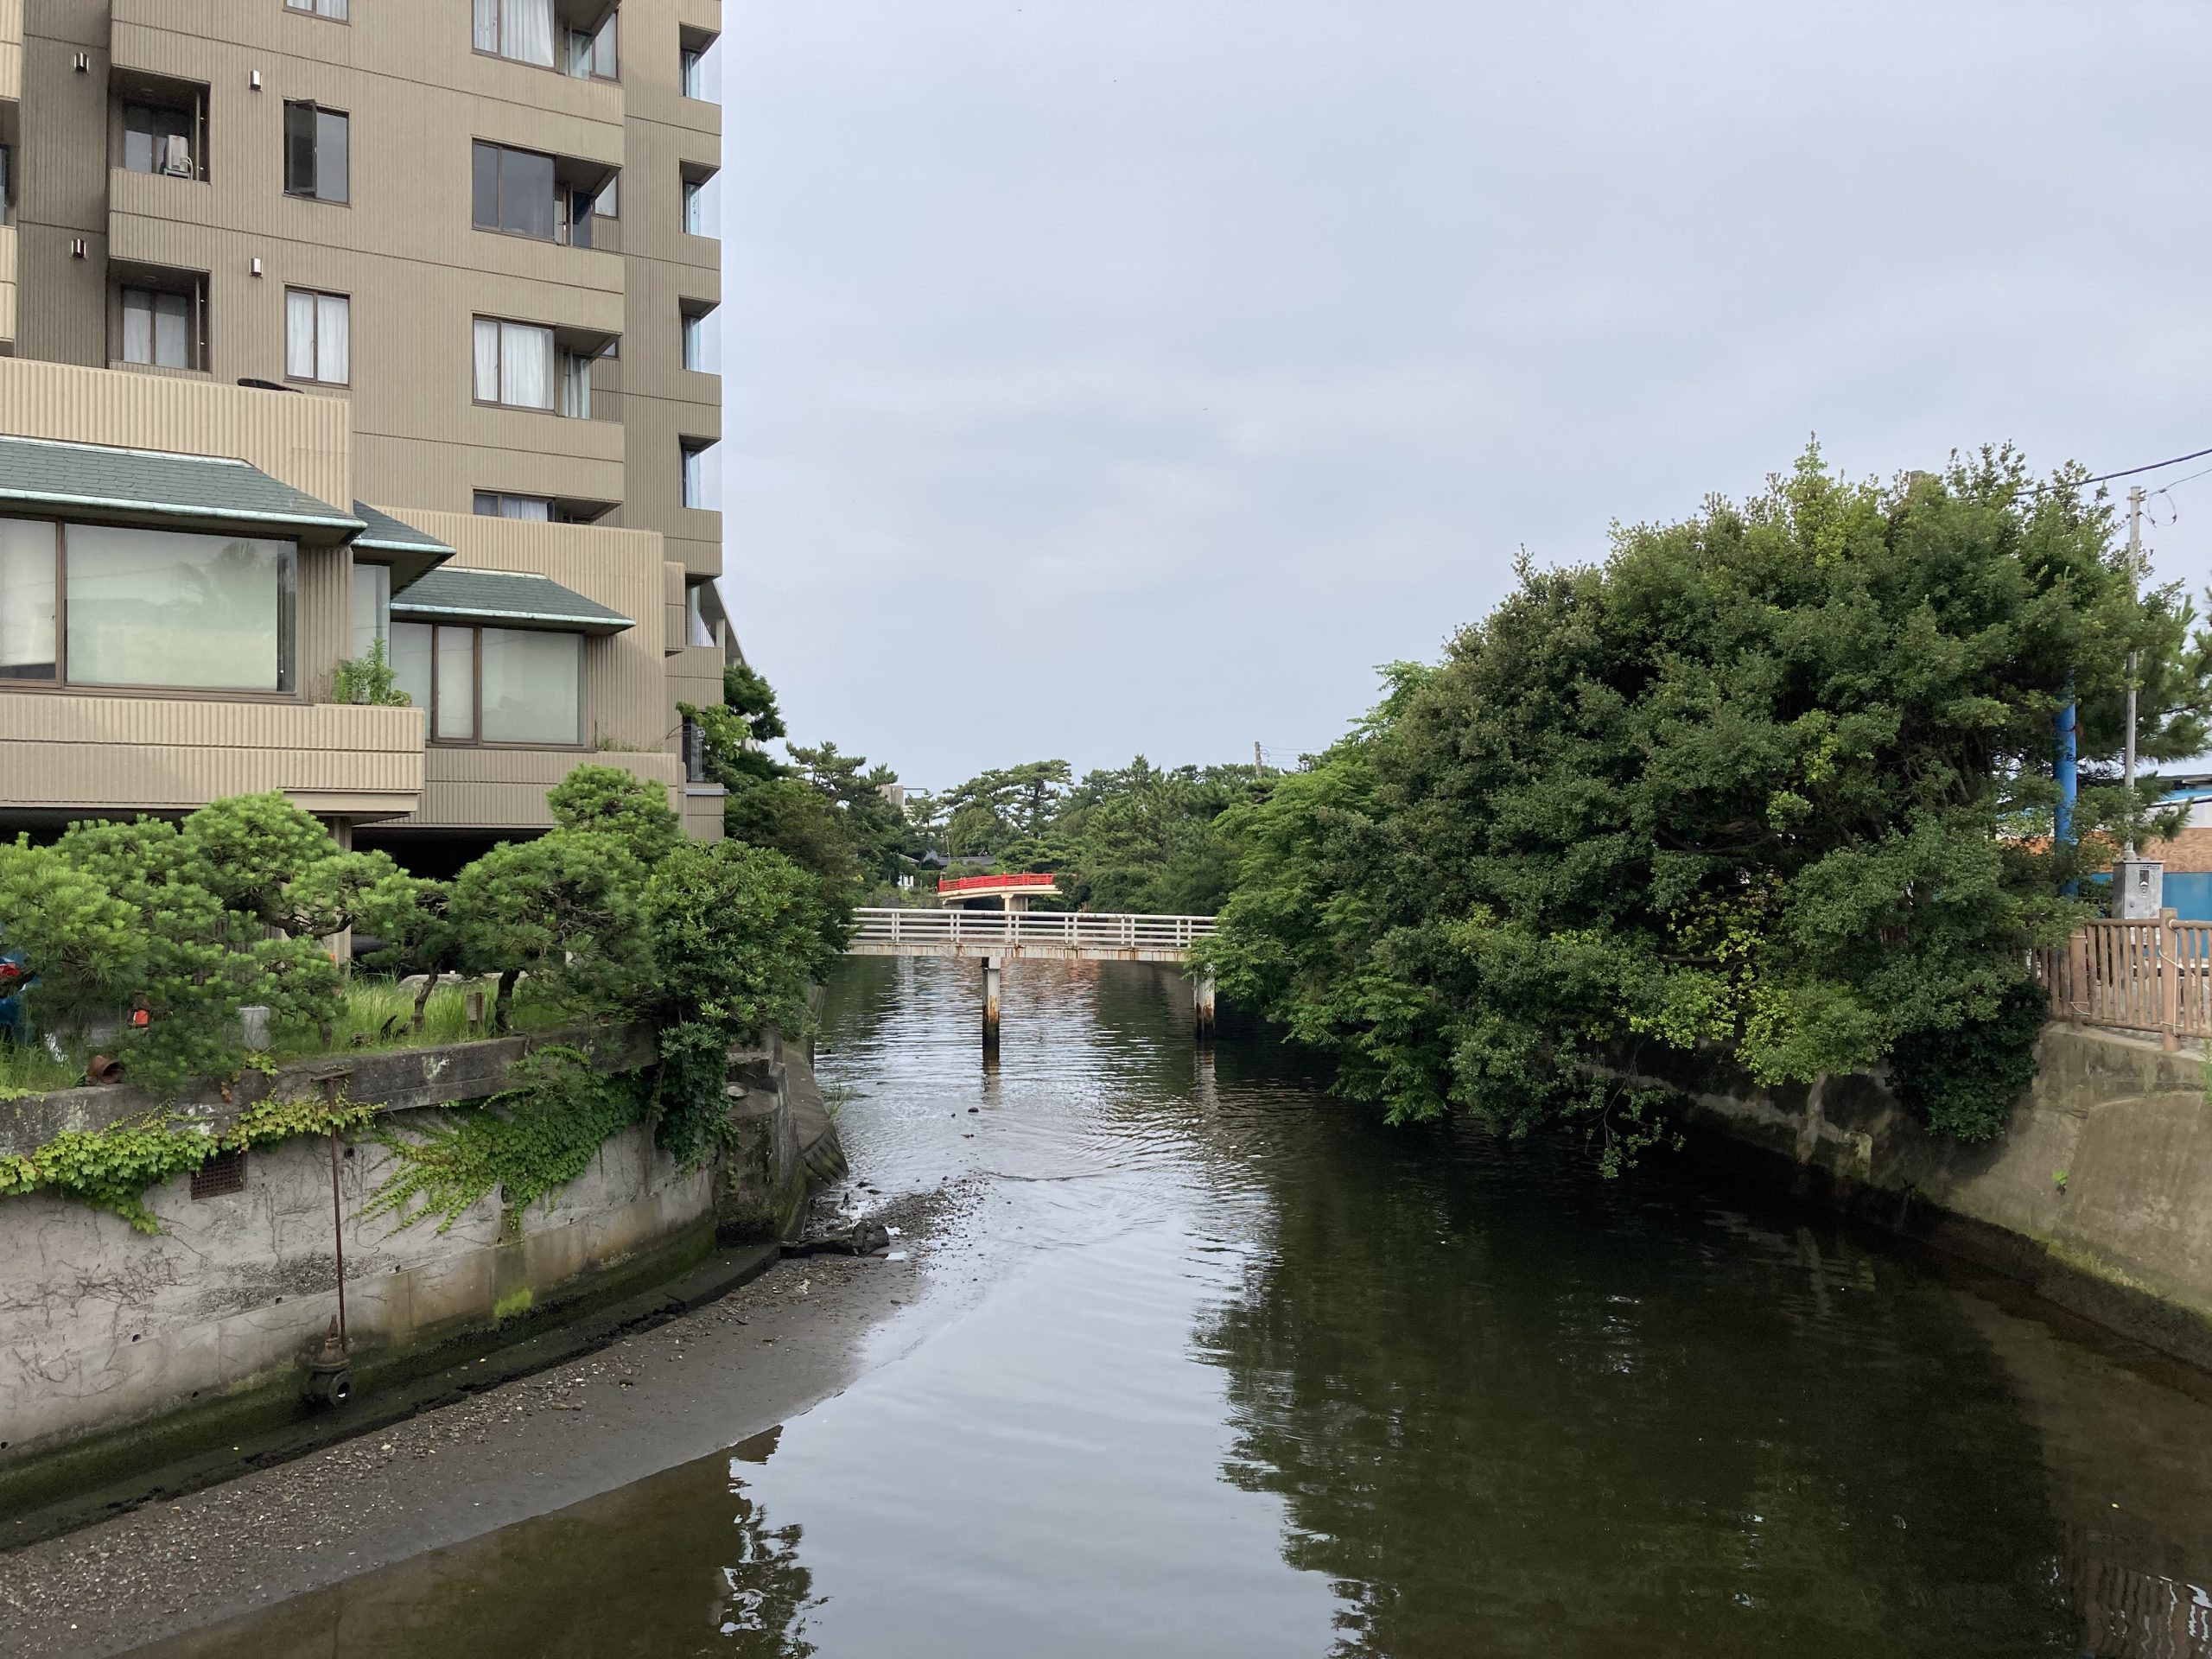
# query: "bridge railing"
x,y
978,928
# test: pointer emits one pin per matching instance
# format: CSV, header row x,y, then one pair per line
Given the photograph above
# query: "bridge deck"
x,y
1009,937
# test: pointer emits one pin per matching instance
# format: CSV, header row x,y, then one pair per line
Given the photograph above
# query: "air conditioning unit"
x,y
176,156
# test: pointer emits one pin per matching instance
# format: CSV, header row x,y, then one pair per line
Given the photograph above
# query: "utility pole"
x,y
1259,768
2134,570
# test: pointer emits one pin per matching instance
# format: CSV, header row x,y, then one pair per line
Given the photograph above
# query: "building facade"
x,y
332,322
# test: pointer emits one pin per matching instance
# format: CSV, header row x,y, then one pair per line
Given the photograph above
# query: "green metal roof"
x,y
503,598
66,479
386,534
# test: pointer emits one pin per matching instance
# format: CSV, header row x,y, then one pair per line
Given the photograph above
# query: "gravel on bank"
x,y
696,1385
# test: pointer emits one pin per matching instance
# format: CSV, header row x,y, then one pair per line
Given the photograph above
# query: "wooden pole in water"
x,y
1202,1005
991,984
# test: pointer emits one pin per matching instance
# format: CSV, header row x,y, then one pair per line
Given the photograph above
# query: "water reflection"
x,y
1234,1370
687,1562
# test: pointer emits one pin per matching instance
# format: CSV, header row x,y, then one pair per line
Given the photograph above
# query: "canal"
x,y
1212,1364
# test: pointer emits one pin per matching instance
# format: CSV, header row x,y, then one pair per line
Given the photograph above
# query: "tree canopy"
x,y
1777,778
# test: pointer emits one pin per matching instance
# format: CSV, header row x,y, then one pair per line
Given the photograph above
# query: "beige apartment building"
x,y
324,323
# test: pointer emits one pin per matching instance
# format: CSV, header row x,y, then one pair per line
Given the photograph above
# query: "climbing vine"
x,y
114,1168
532,1140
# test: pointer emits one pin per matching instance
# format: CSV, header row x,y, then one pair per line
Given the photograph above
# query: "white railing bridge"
x,y
995,938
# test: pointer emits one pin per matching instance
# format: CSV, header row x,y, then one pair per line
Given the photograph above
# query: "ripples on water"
x,y
1234,1370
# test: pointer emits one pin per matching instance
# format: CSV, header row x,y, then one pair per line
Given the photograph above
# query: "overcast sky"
x,y
1105,376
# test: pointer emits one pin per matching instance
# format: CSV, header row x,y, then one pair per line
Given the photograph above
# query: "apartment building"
x,y
334,321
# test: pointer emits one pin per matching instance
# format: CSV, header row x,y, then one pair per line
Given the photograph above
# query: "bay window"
x,y
113,605
492,685
514,364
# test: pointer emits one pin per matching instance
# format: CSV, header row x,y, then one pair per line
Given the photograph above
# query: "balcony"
x,y
88,752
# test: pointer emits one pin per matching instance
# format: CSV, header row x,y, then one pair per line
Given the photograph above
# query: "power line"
x,y
2124,471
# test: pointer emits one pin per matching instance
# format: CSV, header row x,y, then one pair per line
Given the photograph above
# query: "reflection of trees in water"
x,y
1512,1410
684,1563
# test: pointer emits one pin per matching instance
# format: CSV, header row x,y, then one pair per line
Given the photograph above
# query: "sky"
x,y
1105,377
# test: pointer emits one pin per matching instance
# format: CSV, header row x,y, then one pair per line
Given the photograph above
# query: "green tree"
x,y
608,801
1142,838
737,936
1769,780
563,909
988,815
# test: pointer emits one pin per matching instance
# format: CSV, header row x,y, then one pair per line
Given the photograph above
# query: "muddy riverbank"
x,y
767,1351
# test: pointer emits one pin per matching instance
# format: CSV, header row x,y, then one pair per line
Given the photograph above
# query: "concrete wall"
x,y
108,1334
2124,1238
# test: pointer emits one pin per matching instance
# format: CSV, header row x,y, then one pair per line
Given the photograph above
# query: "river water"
x,y
1218,1366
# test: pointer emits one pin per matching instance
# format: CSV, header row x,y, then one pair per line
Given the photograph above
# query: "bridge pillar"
x,y
993,975
1202,1004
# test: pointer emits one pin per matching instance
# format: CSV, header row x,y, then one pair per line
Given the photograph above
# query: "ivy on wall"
x,y
527,1143
113,1169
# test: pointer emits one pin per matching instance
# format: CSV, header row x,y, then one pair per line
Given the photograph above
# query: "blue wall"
x,y
2189,893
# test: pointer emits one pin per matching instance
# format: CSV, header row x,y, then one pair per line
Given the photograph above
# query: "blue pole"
x,y
2062,820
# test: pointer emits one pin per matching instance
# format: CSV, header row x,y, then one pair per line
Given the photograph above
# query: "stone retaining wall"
x,y
2098,1193
104,1330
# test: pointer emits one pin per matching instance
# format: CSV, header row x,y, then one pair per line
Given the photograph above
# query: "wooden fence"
x,y
2151,976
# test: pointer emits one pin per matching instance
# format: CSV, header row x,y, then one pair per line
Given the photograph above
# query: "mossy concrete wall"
x,y
106,1330
2098,1193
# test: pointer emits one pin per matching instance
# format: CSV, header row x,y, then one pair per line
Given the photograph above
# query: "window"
x,y
514,192
31,571
695,206
318,337
521,29
162,138
8,181
697,631
607,204
514,364
591,52
695,69
155,608
333,9
371,607
696,354
161,328
575,386
317,161
497,503
492,685
695,492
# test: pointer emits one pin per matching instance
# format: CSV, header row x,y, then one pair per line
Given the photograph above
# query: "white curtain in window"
x,y
299,334
488,360
487,25
533,509
137,326
173,330
162,607
575,386
532,686
26,599
526,31
334,329
525,365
